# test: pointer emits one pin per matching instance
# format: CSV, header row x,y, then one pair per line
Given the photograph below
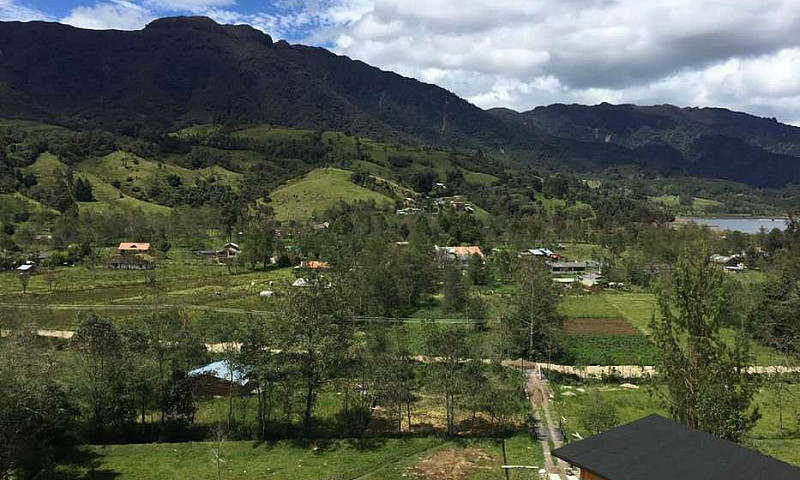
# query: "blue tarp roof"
x,y
221,370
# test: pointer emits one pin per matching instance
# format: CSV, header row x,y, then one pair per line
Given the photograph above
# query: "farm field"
x,y
596,333
600,328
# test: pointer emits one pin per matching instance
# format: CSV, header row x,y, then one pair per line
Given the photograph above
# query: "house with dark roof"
x,y
655,448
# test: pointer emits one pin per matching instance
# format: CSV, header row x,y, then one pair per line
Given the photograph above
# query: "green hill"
x,y
106,194
318,190
136,174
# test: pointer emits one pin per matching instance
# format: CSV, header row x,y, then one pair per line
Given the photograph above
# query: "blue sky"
x,y
739,54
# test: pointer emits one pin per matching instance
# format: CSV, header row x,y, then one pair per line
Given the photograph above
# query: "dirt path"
x,y
539,395
592,371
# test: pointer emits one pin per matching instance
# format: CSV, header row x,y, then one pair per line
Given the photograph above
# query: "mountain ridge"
x,y
181,71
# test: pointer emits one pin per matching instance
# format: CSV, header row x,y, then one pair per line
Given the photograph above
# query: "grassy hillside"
x,y
699,205
136,173
106,194
318,190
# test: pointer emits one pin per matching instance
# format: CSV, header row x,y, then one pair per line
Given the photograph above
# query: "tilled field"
x,y
598,326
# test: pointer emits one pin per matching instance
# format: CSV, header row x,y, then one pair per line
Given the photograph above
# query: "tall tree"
x,y
105,385
532,321
317,330
259,234
446,375
707,386
36,414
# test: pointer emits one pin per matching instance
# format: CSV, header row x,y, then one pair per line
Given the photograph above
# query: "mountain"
x,y
190,70
713,142
185,71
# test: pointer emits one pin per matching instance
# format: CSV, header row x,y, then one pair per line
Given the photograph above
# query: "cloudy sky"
x,y
740,54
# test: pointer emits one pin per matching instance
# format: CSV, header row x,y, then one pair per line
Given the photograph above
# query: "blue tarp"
x,y
221,370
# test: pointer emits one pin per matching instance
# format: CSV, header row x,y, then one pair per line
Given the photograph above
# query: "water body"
x,y
744,225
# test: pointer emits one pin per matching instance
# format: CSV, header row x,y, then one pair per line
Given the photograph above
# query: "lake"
x,y
745,225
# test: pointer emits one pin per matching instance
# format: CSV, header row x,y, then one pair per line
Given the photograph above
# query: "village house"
x,y
131,256
313,265
408,211
127,248
229,251
462,255
540,253
655,448
557,267
731,263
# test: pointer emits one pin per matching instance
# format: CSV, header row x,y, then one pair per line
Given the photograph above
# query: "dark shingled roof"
x,y
654,448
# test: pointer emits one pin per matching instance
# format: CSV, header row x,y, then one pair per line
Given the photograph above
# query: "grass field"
x,y
318,190
699,205
633,404
132,171
107,195
347,459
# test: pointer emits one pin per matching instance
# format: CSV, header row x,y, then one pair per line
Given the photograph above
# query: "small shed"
x,y
301,282
26,267
218,378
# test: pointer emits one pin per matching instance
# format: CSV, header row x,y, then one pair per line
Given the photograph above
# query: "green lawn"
x,y
370,458
633,404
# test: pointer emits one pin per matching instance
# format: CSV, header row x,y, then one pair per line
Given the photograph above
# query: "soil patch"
x,y
598,326
451,464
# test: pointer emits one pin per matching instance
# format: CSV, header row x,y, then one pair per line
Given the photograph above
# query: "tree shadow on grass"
x,y
78,463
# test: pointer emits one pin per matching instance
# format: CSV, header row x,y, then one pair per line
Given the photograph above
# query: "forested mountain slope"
x,y
183,71
713,142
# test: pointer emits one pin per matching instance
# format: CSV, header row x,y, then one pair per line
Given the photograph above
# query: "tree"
x,y
532,320
707,386
259,235
104,386
477,271
82,191
316,330
36,416
445,376
599,415
455,289
24,278
390,368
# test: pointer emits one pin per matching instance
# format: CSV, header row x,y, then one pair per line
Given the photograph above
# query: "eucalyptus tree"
x,y
316,330
706,383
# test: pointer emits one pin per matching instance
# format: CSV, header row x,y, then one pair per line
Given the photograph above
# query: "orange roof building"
x,y
314,265
462,255
466,251
126,247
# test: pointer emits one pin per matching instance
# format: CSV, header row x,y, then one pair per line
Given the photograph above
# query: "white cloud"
x,y
117,15
742,54
193,6
11,10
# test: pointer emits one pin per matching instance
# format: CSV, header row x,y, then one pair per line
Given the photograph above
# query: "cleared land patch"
x,y
451,464
598,326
